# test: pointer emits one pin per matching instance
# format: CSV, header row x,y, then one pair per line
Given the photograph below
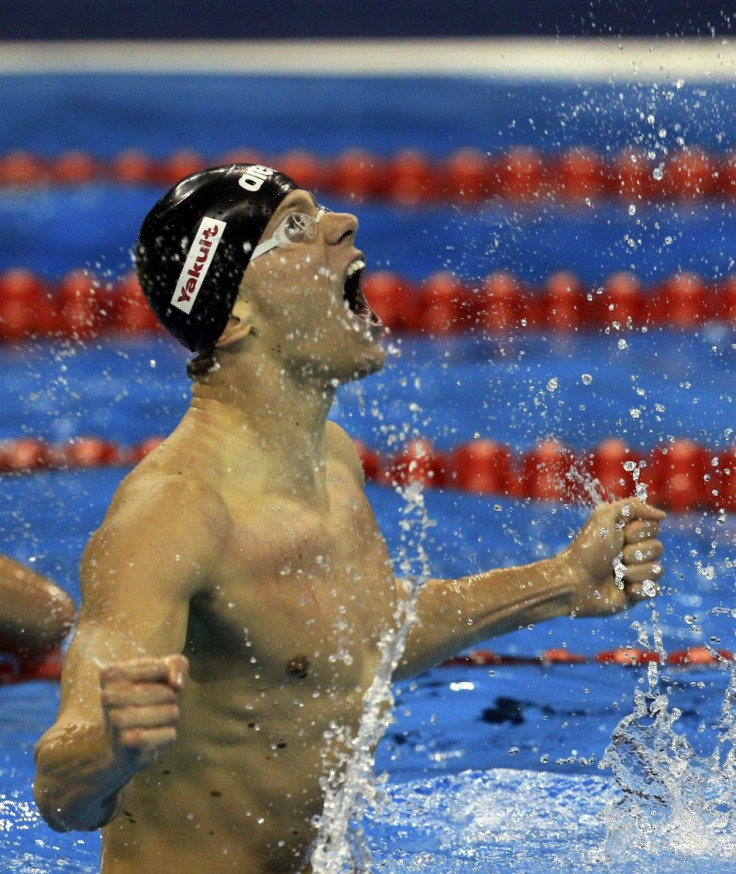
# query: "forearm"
x,y
35,614
454,614
79,784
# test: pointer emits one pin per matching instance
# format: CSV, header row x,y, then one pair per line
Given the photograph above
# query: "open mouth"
x,y
352,293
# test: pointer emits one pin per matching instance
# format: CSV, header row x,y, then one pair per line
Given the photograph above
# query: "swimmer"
x,y
35,614
237,590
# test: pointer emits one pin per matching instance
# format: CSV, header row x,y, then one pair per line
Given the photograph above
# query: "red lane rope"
x,y
410,177
81,305
625,656
15,669
681,475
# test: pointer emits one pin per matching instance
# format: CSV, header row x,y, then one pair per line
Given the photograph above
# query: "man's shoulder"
x,y
161,531
168,499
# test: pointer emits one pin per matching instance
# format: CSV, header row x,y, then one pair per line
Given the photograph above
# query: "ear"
x,y
239,325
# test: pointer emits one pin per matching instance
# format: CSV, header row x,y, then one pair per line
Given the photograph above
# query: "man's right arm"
x,y
124,670
84,767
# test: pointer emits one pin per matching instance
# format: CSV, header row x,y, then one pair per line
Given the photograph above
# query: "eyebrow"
x,y
300,200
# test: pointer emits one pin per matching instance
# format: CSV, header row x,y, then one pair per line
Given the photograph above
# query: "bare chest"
x,y
301,595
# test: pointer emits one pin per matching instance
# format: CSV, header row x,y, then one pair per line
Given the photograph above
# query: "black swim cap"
x,y
196,242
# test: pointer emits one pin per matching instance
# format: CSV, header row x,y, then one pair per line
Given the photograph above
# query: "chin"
x,y
361,367
371,363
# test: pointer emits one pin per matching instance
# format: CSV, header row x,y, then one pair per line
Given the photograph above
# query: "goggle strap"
x,y
264,247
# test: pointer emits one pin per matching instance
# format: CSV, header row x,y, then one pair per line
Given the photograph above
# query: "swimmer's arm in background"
x,y
35,614
580,581
124,671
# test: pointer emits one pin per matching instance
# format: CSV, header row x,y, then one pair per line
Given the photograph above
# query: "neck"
x,y
267,409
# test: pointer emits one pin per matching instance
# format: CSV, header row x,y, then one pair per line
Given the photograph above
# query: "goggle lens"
x,y
297,227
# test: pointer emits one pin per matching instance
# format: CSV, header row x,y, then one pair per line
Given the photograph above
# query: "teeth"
x,y
355,267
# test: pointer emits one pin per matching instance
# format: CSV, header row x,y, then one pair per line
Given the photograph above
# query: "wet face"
x,y
307,287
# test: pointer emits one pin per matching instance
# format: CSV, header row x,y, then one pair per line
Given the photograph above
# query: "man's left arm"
x,y
580,581
35,614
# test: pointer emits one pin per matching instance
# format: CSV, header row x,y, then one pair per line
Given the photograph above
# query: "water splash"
x,y
350,786
671,798
635,469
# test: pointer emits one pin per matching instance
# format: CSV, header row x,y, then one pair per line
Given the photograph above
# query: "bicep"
x,y
138,576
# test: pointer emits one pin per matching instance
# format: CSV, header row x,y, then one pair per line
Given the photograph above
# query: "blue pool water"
x,y
458,730
488,768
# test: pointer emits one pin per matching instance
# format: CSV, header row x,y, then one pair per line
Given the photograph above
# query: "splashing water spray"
x,y
670,798
350,786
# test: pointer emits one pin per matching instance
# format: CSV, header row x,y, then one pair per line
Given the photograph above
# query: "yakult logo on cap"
x,y
255,176
199,259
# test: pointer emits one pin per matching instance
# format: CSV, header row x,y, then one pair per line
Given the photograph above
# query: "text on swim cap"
x,y
199,259
255,176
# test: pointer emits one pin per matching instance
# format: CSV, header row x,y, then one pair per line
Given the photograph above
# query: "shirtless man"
x,y
35,614
236,592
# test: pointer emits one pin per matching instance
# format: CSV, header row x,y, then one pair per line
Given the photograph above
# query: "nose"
x,y
339,227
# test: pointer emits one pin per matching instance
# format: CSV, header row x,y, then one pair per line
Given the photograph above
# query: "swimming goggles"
x,y
297,227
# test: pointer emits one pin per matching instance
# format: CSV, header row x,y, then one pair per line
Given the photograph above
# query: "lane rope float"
x,y
410,177
680,475
82,306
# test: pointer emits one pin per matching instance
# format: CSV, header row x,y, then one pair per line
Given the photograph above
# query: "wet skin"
x,y
271,664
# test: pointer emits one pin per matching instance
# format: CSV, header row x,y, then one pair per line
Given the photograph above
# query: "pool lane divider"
x,y
17,669
624,656
82,306
680,475
410,177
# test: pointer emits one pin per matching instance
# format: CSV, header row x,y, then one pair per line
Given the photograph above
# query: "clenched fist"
x,y
140,704
615,559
